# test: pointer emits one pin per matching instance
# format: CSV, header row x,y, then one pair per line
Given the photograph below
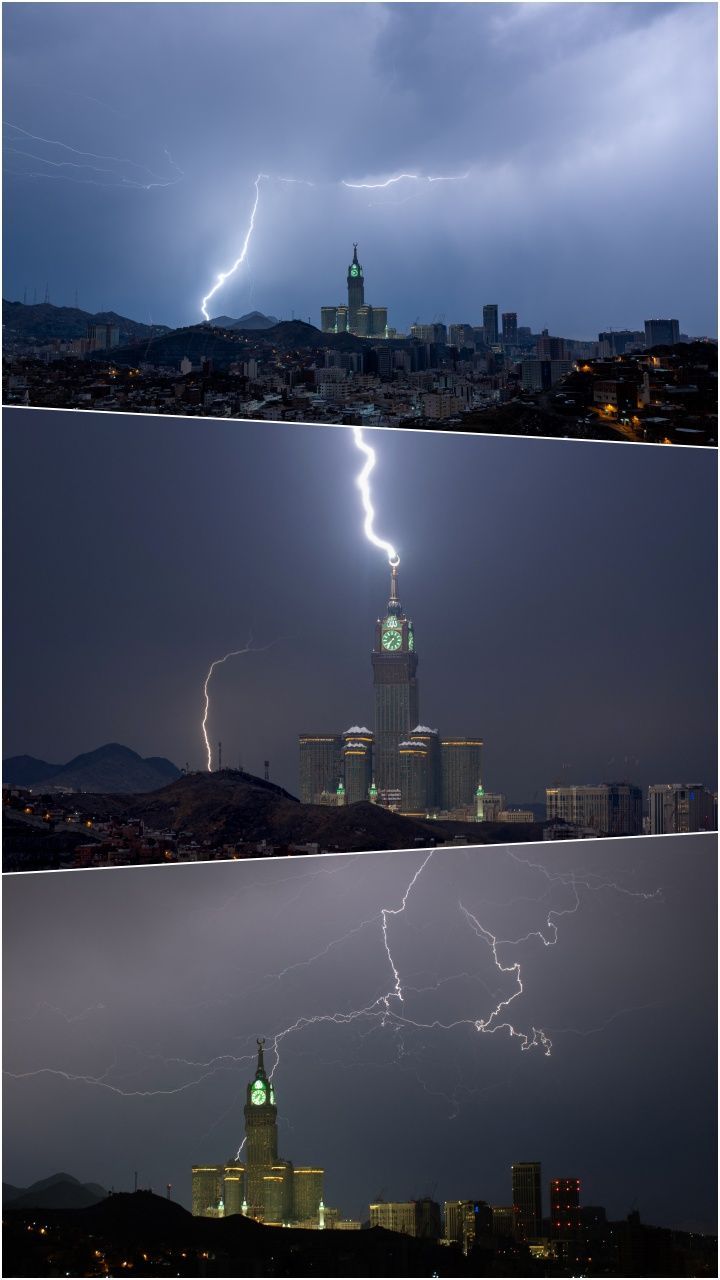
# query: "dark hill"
x,y
44,321
108,769
131,1226
233,807
251,320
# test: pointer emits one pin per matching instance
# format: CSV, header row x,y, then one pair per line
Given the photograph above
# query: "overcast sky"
x,y
153,983
563,594
587,133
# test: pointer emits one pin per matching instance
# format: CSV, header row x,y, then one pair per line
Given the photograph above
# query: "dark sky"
x,y
587,131
563,593
153,984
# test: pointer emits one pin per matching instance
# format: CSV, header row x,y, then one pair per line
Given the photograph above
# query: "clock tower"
x,y
260,1133
394,663
356,291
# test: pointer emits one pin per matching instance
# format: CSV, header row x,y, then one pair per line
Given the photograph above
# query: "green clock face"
x,y
258,1093
354,271
411,639
392,640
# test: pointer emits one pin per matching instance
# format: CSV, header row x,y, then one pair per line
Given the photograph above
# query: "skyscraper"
x,y
527,1198
355,291
565,1208
677,807
509,328
662,333
357,755
461,771
266,1187
320,765
490,323
394,663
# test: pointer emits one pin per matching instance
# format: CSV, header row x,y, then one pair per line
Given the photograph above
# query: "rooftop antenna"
x,y
169,1190
267,770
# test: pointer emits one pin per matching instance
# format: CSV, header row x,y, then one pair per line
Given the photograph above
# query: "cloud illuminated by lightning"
x,y
363,484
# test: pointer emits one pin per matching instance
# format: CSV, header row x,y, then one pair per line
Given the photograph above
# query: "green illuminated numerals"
x,y
411,639
353,270
258,1093
392,640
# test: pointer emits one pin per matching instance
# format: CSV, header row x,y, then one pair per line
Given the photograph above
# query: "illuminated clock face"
x,y
390,623
411,639
392,640
258,1093
354,271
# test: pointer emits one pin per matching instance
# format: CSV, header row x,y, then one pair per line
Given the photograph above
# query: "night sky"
x,y
153,983
587,131
563,594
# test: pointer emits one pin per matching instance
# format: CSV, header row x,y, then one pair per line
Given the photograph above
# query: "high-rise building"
x,y
612,808
676,807
509,328
461,771
357,756
102,337
265,1187
490,324
408,1217
465,1220
665,333
506,1221
357,317
414,777
218,1190
320,765
565,1208
355,290
549,348
430,739
527,1198
394,663
307,1192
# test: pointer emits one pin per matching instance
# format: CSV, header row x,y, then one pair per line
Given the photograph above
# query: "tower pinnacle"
x,y
260,1072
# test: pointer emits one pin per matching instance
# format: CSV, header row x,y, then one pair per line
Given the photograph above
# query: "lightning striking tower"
x,y
394,663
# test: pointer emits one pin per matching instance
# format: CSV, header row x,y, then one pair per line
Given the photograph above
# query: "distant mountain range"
x,y
43,322
252,320
61,1191
112,768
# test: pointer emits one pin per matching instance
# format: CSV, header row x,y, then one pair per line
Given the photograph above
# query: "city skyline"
x,y
177,202
547,651
141,1060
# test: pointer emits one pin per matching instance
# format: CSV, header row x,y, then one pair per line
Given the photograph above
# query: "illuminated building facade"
x,y
358,317
677,807
320,765
394,664
357,759
420,1218
265,1187
402,765
611,809
527,1198
461,770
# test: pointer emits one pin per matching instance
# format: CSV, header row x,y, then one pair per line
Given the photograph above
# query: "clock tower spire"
x,y
394,663
356,291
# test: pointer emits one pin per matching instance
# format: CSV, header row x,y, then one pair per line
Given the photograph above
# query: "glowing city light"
x,y
363,484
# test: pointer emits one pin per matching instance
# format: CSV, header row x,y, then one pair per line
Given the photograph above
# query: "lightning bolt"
x,y
363,483
234,653
388,1010
116,179
403,177
225,275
